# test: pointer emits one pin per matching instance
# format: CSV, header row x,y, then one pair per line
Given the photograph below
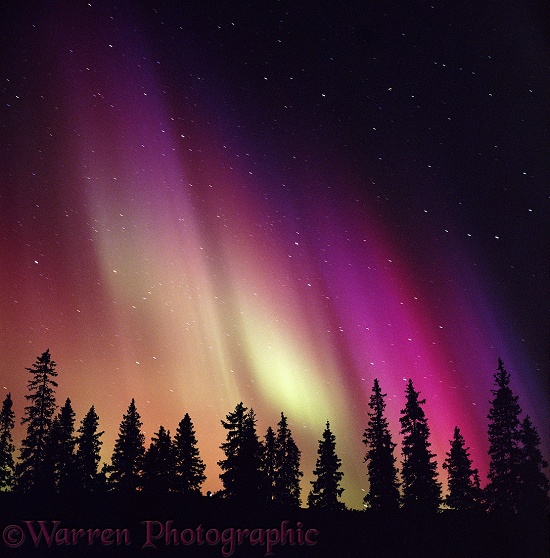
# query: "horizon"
x,y
213,483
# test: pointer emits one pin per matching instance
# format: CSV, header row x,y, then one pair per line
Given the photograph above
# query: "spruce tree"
x,y
326,487
59,458
7,466
231,476
463,484
189,467
88,451
287,466
421,490
250,461
533,483
38,418
241,476
383,492
127,459
159,464
504,451
268,465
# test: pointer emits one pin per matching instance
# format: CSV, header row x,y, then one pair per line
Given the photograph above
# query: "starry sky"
x,y
276,202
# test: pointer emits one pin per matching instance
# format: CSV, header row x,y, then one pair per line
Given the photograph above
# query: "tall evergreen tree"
x,y
88,451
326,487
421,490
241,476
159,464
189,467
287,466
7,466
250,461
230,476
127,459
533,483
38,418
383,492
464,490
268,465
504,451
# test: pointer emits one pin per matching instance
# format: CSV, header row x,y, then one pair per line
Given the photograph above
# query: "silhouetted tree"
x,y
241,476
504,452
251,461
464,490
59,469
88,451
159,464
231,475
421,490
127,460
383,485
189,467
326,487
268,465
38,418
287,466
7,466
533,483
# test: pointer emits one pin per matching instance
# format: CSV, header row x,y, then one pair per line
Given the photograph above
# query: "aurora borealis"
x,y
206,204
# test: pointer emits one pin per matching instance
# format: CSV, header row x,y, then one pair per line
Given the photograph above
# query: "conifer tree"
x,y
189,467
383,492
287,466
88,451
268,465
464,490
250,461
241,476
421,490
231,477
504,438
159,464
38,418
7,466
59,458
127,459
326,487
533,483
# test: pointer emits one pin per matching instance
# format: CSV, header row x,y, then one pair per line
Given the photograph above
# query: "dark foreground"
x,y
146,527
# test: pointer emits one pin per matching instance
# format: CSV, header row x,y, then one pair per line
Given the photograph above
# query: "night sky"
x,y
210,202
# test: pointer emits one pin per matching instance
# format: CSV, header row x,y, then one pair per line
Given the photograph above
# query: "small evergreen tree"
x,y
326,487
464,490
88,451
383,492
189,467
7,466
504,438
59,459
533,483
421,490
268,465
38,418
287,466
159,464
127,459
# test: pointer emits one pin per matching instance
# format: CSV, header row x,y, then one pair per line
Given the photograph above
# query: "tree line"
x,y
57,458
